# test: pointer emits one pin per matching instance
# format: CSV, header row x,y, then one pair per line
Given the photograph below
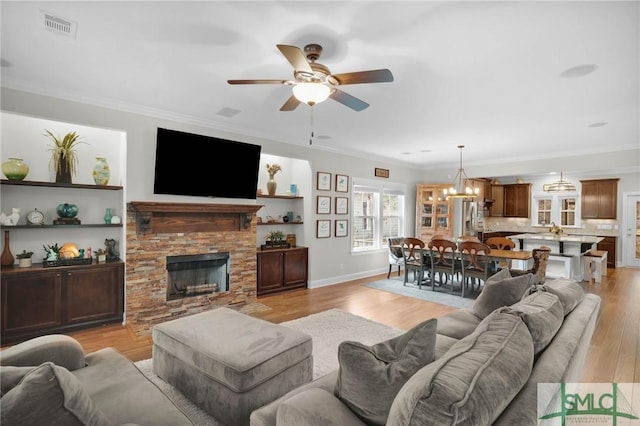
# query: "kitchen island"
x,y
565,260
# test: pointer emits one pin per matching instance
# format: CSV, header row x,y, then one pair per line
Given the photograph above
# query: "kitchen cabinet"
x,y
599,199
497,206
282,269
516,200
609,245
434,212
45,300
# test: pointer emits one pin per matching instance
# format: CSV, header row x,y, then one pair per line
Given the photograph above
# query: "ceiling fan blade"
x,y
295,56
291,104
257,81
373,76
348,100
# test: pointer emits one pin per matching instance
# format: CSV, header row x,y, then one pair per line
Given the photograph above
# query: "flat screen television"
x,y
205,166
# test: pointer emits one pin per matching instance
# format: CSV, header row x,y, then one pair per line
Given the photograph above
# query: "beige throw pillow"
x,y
501,290
370,376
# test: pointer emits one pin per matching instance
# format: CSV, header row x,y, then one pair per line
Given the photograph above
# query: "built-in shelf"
x,y
59,185
89,225
280,223
287,197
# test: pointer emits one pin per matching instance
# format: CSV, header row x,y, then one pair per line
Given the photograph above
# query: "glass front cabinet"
x,y
434,212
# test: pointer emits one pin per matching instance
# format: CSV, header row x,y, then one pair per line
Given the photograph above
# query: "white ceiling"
x,y
483,74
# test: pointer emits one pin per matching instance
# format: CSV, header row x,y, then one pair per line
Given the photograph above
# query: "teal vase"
x,y
67,210
107,216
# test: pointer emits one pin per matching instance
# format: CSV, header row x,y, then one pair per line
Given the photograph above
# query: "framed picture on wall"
x,y
323,205
324,181
323,228
342,205
342,228
342,183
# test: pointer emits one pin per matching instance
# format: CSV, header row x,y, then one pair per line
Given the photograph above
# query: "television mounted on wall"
x,y
205,166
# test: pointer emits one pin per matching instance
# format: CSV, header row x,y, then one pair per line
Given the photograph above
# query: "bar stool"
x,y
595,265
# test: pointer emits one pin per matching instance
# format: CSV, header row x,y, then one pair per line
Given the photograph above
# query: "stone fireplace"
x,y
190,275
157,232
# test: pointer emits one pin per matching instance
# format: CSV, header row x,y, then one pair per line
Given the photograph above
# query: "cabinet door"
x,y
31,302
295,268
270,271
510,201
589,200
609,245
607,200
93,294
497,194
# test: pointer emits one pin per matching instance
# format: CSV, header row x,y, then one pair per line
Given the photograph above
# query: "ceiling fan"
x,y
313,82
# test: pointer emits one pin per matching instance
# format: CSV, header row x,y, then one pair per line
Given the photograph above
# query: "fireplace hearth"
x,y
197,274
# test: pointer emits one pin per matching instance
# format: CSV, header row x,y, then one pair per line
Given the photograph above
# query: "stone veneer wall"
x,y
146,275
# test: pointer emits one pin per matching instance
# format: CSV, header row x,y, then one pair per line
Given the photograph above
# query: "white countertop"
x,y
560,237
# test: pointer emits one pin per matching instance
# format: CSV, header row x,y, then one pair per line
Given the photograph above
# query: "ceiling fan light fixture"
x,y
311,93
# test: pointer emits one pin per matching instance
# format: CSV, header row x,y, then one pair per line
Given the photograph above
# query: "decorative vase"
x,y
15,169
107,216
67,210
7,258
271,185
63,172
101,172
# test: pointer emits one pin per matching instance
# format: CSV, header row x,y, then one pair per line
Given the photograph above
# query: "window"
x,y
560,209
378,214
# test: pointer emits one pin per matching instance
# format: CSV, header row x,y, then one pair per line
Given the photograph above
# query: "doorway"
x,y
631,230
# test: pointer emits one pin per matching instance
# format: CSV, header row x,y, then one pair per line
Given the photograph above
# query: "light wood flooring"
x,y
614,355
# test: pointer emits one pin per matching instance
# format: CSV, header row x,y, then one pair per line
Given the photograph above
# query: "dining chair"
x,y
414,260
444,261
395,254
476,264
501,243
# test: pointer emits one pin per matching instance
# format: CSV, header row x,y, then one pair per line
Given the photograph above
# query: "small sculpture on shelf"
x,y
11,219
51,252
112,252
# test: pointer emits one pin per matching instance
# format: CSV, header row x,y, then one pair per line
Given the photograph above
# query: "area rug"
x,y
327,330
441,295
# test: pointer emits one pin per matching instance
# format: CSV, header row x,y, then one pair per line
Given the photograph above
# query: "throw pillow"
x,y
369,377
10,376
569,292
500,290
474,381
49,394
543,314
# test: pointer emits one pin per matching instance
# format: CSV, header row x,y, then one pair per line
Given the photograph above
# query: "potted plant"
x,y
24,259
63,155
275,239
101,255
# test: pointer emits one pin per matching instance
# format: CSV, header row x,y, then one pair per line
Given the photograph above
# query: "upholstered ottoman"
x,y
229,363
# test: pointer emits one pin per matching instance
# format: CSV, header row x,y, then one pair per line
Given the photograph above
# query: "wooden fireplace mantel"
x,y
159,217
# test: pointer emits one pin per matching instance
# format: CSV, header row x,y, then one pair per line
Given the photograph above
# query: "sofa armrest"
x,y
59,349
315,407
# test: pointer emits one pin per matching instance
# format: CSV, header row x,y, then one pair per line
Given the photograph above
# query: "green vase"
x,y
15,169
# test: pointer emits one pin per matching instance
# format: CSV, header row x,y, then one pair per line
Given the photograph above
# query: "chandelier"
x,y
560,186
457,189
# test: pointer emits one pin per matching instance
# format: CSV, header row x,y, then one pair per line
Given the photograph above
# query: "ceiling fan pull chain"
x,y
311,124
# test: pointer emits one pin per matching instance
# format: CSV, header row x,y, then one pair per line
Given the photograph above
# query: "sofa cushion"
x,y
458,324
49,394
569,292
474,382
10,376
315,407
500,290
542,312
369,377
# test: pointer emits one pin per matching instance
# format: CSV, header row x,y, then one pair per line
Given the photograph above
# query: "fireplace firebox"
x,y
197,274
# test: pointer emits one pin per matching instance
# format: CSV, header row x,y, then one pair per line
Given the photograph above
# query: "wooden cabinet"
x,y
38,300
516,200
599,199
434,212
282,269
609,245
497,206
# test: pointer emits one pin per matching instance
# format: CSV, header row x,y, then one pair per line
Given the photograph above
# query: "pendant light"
x,y
560,186
457,189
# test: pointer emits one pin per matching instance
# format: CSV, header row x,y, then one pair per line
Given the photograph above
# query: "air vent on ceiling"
x,y
59,25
